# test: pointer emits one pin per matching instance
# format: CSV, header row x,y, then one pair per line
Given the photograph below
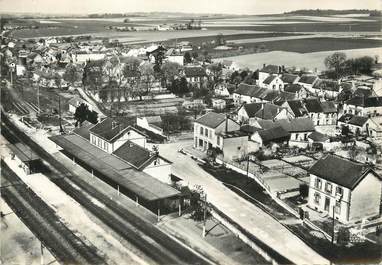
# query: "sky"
x,y
189,6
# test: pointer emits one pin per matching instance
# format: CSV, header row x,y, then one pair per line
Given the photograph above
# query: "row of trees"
x,y
339,66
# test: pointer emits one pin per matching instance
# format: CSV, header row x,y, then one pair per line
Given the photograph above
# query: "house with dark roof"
x,y
359,105
296,108
110,134
248,113
299,129
348,190
268,70
321,113
273,135
298,90
356,124
308,81
327,89
148,161
273,82
208,127
289,79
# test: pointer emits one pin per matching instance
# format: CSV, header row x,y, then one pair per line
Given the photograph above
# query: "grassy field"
x,y
314,60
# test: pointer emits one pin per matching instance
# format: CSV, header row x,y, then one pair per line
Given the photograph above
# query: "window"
x,y
305,137
318,183
317,198
201,130
339,191
99,143
93,139
206,132
328,187
337,208
218,140
274,86
106,146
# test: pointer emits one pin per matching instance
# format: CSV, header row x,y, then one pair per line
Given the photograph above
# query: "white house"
x,y
371,106
273,82
268,70
347,190
308,81
208,127
248,113
109,135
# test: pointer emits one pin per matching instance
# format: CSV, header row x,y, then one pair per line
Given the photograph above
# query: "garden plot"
x,y
300,160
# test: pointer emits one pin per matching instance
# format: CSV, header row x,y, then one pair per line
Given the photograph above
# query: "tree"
x,y
81,113
169,71
220,39
71,74
93,75
147,79
132,74
197,204
336,62
216,70
187,58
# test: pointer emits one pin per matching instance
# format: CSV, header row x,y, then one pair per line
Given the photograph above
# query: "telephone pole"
x,y
59,114
204,215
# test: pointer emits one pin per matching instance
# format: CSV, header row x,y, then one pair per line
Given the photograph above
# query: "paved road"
x,y
247,215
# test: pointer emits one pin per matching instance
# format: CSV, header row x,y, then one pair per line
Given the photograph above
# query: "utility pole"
x,y
204,215
333,225
42,254
59,114
38,97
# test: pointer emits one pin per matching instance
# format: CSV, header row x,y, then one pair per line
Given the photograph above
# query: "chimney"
x,y
263,65
279,72
283,68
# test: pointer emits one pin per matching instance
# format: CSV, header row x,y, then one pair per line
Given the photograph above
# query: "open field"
x,y
313,60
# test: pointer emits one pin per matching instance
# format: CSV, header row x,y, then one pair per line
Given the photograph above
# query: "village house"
x,y
276,135
327,89
289,79
248,113
299,91
233,144
148,161
109,135
308,81
299,129
218,103
356,124
195,75
316,139
208,127
371,106
296,108
344,189
375,127
268,70
321,113
221,89
273,82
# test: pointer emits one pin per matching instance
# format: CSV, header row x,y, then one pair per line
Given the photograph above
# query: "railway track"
x,y
44,223
145,236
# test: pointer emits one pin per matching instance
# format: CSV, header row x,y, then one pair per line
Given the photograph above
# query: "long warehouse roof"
x,y
115,169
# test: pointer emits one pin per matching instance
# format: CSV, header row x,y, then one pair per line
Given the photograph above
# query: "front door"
x,y
327,204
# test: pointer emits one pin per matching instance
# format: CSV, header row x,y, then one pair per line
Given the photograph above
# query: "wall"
x,y
235,147
366,198
160,169
320,206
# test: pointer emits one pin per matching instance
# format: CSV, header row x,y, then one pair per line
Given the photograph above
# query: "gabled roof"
x,y
293,88
266,111
111,130
270,69
249,129
353,119
134,154
293,125
308,79
269,79
289,78
247,90
318,137
328,85
328,107
339,170
233,134
364,92
313,105
297,108
211,119
83,130
192,71
274,134
365,102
